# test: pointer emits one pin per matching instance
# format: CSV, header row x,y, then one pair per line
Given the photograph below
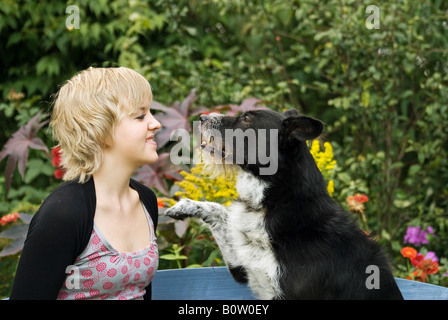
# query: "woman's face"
x,y
133,138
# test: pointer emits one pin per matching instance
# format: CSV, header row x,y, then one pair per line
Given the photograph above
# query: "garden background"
x,y
380,89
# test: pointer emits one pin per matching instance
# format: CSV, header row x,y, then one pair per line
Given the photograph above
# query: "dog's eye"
x,y
246,119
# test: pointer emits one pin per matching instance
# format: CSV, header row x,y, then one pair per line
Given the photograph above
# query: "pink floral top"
x,y
101,272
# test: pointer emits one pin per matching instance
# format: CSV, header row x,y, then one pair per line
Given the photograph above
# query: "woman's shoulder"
x,y
71,187
69,201
142,189
148,197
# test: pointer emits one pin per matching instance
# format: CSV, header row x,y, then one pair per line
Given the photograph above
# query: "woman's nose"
x,y
153,124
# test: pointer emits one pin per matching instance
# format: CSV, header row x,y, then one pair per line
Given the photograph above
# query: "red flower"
x,y
408,252
58,173
56,151
11,217
56,161
423,267
361,198
160,203
355,203
208,112
417,259
428,266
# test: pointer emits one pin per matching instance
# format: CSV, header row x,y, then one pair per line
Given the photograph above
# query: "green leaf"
x,y
49,65
172,257
365,98
402,203
16,37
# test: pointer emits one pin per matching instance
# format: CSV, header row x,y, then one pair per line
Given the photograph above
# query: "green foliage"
x,y
382,92
191,247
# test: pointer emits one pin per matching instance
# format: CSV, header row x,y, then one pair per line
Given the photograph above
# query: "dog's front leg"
x,y
211,213
216,216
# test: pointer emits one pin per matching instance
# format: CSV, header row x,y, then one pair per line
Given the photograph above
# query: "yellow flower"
x,y
202,188
315,148
330,187
325,162
328,150
195,186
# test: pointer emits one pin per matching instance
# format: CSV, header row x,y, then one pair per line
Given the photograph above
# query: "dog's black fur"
x,y
320,251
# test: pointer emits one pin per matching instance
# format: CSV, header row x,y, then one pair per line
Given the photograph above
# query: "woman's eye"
x,y
141,117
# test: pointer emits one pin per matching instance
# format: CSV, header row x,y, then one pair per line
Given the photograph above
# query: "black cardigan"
x,y
59,232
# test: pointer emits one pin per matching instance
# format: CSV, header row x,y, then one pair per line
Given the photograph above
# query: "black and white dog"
x,y
284,235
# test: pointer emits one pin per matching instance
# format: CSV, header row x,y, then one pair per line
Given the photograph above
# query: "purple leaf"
x,y
15,232
13,248
173,117
187,103
17,147
180,227
153,175
26,217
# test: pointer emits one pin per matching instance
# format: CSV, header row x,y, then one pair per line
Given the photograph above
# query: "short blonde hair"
x,y
86,110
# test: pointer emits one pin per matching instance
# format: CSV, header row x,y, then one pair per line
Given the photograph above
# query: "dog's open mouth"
x,y
212,147
216,159
206,142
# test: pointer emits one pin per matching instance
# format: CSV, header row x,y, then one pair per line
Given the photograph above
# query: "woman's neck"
x,y
112,181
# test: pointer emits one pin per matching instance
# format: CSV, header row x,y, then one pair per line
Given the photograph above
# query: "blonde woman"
x,y
94,236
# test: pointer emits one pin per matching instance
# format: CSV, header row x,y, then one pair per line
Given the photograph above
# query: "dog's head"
x,y
254,140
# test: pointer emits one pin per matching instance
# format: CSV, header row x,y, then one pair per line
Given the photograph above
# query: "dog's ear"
x,y
292,112
301,128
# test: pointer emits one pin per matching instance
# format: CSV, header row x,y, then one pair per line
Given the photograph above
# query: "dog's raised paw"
x,y
185,208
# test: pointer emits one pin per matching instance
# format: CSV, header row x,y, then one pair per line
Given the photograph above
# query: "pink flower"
x,y
431,255
417,236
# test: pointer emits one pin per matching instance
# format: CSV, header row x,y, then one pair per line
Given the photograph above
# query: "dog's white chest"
x,y
250,189
250,239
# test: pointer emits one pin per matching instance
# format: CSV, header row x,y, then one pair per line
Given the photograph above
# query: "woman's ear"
x,y
107,141
301,128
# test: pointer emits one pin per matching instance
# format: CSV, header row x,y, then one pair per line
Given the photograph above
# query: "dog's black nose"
x,y
203,117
